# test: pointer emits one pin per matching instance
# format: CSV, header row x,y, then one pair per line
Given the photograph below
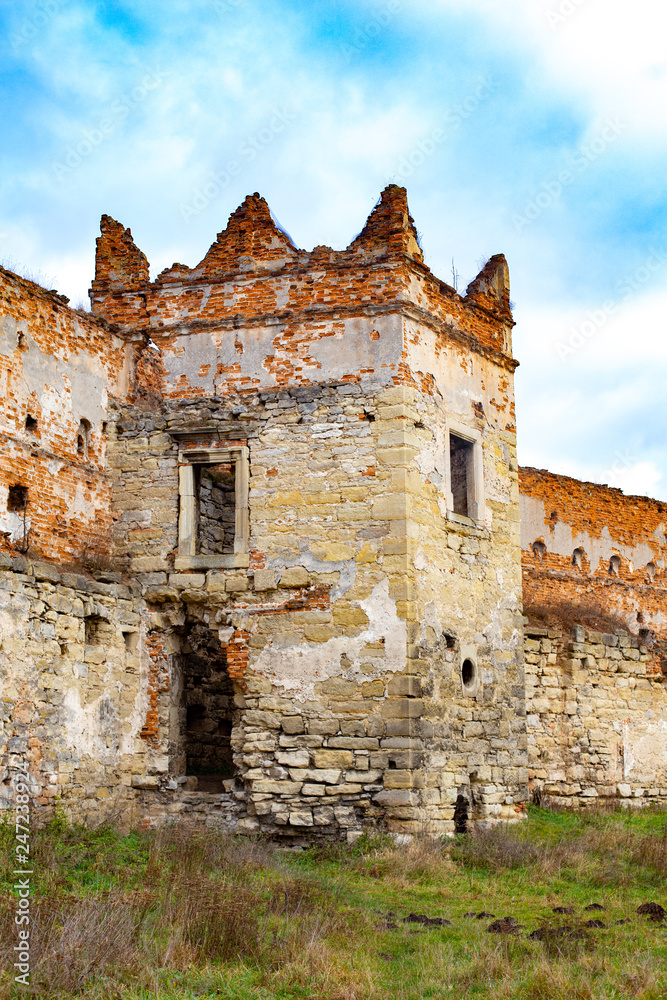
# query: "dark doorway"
x,y
461,814
207,709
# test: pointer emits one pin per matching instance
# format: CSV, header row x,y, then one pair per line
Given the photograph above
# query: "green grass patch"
x,y
181,913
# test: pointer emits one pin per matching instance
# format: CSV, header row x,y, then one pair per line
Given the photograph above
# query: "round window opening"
x,y
468,674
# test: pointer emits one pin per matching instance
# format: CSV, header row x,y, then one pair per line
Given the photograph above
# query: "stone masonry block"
x,y
292,724
333,758
405,686
294,576
265,579
402,708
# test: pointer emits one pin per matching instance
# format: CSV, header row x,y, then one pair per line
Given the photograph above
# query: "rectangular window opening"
x,y
17,499
461,458
217,509
213,521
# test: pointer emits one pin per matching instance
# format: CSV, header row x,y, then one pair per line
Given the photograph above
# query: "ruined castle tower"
x,y
309,613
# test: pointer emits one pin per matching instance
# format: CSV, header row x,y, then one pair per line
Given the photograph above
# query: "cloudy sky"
x,y
536,128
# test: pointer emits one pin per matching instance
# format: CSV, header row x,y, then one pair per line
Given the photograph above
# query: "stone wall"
x,y
74,693
351,603
597,718
300,468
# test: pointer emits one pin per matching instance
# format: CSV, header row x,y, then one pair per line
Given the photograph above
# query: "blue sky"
x,y
536,128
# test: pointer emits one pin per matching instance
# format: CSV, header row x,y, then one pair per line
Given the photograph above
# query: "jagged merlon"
x,y
491,287
389,228
119,264
251,238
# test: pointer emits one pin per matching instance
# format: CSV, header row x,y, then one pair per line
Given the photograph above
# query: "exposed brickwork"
x,y
602,524
330,634
237,654
57,368
158,683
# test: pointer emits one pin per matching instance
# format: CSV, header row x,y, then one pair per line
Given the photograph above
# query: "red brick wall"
x,y
286,301
563,514
57,367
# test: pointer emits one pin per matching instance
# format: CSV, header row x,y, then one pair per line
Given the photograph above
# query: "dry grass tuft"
x,y
499,847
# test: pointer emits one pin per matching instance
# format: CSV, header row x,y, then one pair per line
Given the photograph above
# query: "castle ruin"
x,y
265,548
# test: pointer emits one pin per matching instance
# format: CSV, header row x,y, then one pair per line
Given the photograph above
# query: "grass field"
x,y
173,914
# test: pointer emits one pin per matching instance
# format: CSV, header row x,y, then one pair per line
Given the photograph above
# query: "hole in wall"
x,y
646,638
98,631
650,572
468,674
461,810
21,342
461,454
131,640
216,488
539,550
30,424
614,566
450,641
83,438
392,765
208,711
17,499
578,558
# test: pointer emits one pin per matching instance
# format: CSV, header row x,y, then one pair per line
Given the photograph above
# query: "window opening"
x,y
17,499
614,566
213,526
461,457
539,550
217,509
578,558
650,572
468,674
83,438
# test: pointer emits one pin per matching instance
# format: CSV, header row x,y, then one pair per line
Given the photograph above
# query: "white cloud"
x,y
602,53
